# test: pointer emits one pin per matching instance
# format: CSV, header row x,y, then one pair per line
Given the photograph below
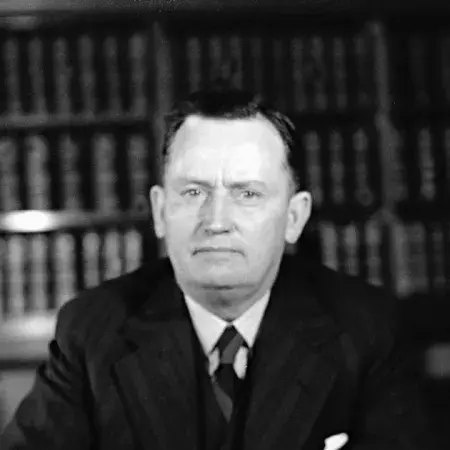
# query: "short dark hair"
x,y
231,104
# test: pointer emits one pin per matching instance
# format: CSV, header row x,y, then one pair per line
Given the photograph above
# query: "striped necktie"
x,y
225,380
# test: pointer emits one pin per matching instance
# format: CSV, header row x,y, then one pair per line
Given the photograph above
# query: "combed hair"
x,y
231,104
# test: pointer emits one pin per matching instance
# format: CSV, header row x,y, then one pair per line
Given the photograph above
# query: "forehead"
x,y
247,146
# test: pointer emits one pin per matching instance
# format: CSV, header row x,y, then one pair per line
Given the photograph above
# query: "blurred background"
x,y
85,85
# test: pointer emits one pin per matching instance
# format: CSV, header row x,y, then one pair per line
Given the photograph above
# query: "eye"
x,y
192,192
250,195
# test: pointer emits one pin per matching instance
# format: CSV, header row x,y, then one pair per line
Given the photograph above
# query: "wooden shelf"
x,y
56,121
33,221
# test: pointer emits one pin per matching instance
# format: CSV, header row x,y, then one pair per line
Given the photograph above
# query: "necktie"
x,y
225,380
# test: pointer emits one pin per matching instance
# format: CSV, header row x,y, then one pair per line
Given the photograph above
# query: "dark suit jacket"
x,y
120,374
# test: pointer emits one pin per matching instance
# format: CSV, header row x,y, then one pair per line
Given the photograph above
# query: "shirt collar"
x,y
210,327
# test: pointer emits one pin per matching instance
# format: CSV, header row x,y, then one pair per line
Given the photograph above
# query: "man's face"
x,y
225,210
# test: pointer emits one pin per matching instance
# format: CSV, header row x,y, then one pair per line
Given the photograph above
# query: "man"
x,y
228,343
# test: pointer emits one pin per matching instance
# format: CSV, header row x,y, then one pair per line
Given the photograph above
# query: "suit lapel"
x,y
155,376
293,366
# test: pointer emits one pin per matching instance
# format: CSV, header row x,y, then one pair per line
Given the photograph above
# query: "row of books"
x,y
42,271
408,258
102,171
420,62
112,171
420,163
305,73
84,74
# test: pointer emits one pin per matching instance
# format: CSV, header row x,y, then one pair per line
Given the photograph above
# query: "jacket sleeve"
x,y
54,415
391,413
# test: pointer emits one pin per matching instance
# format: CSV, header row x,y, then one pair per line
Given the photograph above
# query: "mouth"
x,y
218,250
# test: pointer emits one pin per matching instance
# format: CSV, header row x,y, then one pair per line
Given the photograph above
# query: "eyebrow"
x,y
207,184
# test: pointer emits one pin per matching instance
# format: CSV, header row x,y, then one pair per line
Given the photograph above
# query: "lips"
x,y
211,249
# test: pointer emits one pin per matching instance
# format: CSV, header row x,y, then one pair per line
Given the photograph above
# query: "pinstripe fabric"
x,y
225,380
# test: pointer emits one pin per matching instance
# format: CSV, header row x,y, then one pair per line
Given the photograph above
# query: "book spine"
x,y
218,68
112,74
445,69
340,73
337,168
13,91
298,74
70,173
9,175
418,257
16,269
279,64
3,273
351,244
319,74
38,176
138,174
417,55
256,55
364,59
38,285
237,61
403,281
399,177
91,245
86,52
437,255
426,166
373,242
138,60
112,263
313,166
105,175
133,246
65,268
194,59
364,194
36,59
63,77
446,151
330,243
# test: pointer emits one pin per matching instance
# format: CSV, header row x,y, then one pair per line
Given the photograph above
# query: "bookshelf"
x,y
82,118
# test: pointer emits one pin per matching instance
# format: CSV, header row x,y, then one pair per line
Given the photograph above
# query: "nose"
x,y
216,214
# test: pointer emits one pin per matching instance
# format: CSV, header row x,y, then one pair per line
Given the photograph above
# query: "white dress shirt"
x,y
210,327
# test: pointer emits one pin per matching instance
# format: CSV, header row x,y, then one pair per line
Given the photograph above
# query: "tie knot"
x,y
228,345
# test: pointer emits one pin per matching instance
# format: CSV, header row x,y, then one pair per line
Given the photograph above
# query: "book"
x,y
138,174
110,49
351,245
339,55
194,63
403,283
256,63
69,156
330,242
400,187
365,70
438,258
64,264
38,273
138,62
91,245
417,54
133,249
318,73
373,244
444,45
3,273
12,69
297,56
111,258
16,269
446,151
364,194
418,257
105,177
63,74
236,61
337,168
36,73
88,75
38,179
9,175
312,148
427,169
279,79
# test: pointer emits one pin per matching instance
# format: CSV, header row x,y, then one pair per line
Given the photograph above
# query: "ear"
x,y
157,201
299,211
